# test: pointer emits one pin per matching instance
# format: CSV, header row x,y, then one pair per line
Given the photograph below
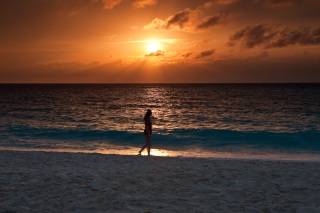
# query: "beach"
x,y
84,182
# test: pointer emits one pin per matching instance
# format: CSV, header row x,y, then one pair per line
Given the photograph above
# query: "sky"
x,y
159,41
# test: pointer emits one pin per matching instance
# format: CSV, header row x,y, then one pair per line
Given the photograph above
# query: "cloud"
x,y
179,19
187,55
275,37
300,68
212,3
184,20
203,44
211,21
155,54
156,24
279,3
247,69
300,36
205,54
206,5
218,2
191,19
110,4
252,36
143,3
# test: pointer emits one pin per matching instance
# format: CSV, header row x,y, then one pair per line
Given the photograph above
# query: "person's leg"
x,y
149,143
149,148
145,145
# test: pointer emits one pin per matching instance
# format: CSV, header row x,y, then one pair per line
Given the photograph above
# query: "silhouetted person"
x,y
147,131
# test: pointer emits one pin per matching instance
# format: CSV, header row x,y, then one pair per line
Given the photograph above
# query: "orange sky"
x,y
159,41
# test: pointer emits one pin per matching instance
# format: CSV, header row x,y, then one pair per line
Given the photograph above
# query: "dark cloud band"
x,y
272,37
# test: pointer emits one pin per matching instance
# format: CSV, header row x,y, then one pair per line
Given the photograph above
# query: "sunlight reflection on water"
x,y
122,107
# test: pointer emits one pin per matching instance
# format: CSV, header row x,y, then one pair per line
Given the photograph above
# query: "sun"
x,y
153,46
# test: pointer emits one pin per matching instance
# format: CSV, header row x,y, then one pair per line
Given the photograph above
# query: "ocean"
x,y
261,121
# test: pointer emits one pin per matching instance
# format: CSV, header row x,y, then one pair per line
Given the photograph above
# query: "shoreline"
x,y
83,182
132,151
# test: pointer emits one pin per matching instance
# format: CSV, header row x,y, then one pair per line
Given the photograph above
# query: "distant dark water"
x,y
259,118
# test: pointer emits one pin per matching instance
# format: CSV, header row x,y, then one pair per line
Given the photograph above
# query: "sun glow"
x,y
153,46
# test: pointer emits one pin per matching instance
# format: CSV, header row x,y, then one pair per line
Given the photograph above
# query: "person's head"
x,y
148,113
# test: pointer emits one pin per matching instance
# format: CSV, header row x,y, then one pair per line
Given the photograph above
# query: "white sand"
x,y
72,182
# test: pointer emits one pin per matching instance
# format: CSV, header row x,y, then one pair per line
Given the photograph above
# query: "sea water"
x,y
198,120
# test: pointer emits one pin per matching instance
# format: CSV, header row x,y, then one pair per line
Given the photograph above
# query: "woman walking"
x,y
147,132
